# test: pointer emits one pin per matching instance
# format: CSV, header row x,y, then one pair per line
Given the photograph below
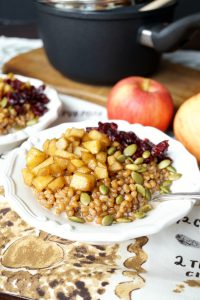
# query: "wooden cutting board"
x,y
182,82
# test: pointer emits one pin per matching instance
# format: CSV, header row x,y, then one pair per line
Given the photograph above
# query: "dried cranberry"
x,y
127,138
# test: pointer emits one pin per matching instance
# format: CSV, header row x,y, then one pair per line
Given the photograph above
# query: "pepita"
x,y
140,189
76,219
121,158
137,177
171,169
129,160
147,194
164,189
85,199
103,189
119,199
174,176
142,170
146,208
146,154
111,150
139,160
130,150
164,164
32,122
139,215
4,102
166,183
123,220
132,167
107,220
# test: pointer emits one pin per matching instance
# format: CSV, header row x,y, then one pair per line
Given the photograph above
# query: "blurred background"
x,y
18,17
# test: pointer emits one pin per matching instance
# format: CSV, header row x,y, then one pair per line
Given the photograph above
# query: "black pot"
x,y
104,46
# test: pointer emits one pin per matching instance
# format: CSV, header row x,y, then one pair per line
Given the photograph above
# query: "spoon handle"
x,y
176,196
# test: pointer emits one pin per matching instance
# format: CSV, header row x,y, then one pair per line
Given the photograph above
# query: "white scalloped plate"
x,y
12,140
22,200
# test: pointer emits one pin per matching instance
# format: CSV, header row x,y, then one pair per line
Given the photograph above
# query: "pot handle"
x,y
171,36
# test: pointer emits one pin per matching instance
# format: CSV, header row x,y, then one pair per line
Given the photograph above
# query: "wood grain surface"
x,y
182,82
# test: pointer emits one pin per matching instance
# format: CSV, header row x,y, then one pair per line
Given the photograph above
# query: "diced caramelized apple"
x,y
46,146
61,162
101,173
27,176
56,170
77,163
71,168
78,150
92,164
111,160
64,154
34,157
52,147
95,135
47,162
117,153
116,166
76,132
56,184
61,144
86,137
101,156
41,182
93,146
83,182
86,157
44,171
84,169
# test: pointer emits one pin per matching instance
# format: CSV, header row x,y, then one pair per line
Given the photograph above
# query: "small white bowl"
x,y
24,203
12,140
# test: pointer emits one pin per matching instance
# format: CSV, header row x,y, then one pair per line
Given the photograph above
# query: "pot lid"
x,y
92,5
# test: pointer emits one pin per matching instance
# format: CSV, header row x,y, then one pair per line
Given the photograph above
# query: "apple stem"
x,y
146,84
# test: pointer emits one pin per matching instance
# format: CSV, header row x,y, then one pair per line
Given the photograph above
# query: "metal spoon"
x,y
175,196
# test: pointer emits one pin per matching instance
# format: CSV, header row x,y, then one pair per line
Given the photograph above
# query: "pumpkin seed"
x,y
130,150
123,220
76,219
146,208
139,160
137,177
171,169
164,164
111,150
146,154
119,199
140,189
4,102
121,158
139,215
147,194
107,220
129,160
32,122
164,189
132,167
103,189
174,176
85,198
142,170
166,183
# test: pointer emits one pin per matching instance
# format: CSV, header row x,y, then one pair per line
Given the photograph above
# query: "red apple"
x,y
141,100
